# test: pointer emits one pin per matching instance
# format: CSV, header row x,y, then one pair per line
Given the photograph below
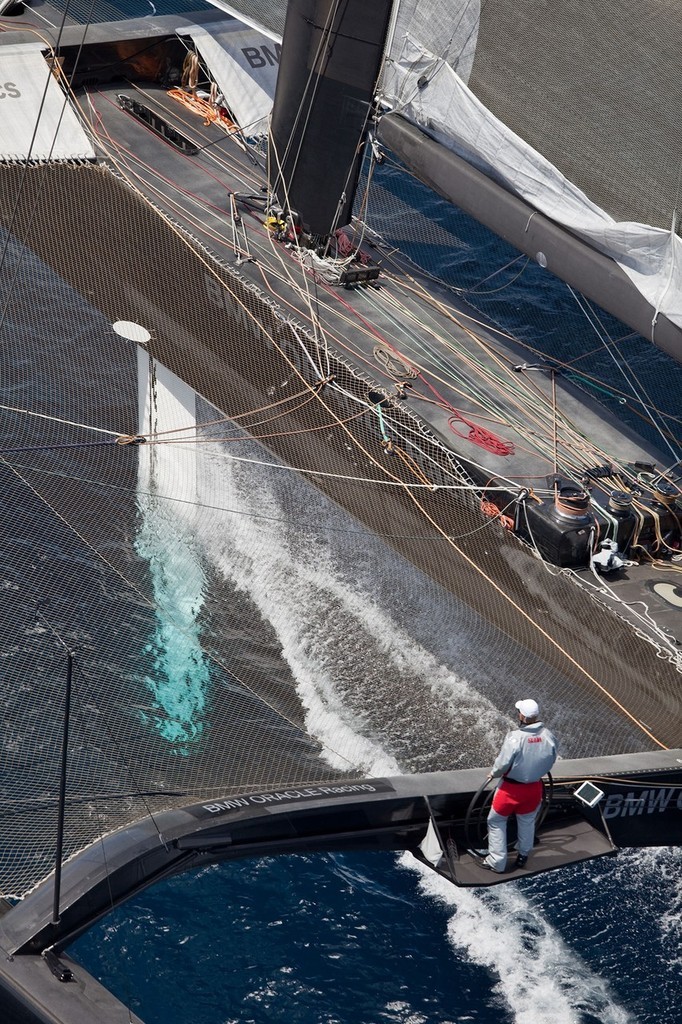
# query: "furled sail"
x,y
574,110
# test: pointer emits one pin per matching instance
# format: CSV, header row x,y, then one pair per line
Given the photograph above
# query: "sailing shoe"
x,y
521,860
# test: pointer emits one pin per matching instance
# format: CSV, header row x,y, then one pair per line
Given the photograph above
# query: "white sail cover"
x,y
243,62
603,133
650,256
31,101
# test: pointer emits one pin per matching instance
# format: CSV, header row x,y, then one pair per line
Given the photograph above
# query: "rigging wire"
x,y
646,406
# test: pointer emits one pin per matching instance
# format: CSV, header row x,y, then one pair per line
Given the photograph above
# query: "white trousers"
x,y
497,837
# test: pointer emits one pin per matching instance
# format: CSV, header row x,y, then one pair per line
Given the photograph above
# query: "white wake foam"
x,y
300,590
539,977
352,659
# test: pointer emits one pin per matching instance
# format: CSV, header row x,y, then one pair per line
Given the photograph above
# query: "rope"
x,y
210,112
481,436
394,364
410,493
572,468
57,419
412,466
489,508
190,71
478,435
474,290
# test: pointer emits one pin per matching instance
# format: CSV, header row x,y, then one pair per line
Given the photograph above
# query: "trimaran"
x,y
201,327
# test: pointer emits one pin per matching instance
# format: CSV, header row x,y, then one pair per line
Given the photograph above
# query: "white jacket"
x,y
527,754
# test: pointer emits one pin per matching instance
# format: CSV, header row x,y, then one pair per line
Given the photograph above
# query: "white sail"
x,y
37,121
243,61
426,89
573,111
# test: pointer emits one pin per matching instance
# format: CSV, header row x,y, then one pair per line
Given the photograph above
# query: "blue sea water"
x,y
373,938
365,939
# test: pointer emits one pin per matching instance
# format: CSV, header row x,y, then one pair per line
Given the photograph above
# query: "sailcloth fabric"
x,y
427,91
574,109
37,121
243,61
430,846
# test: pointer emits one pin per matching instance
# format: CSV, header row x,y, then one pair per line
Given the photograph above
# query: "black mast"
x,y
331,57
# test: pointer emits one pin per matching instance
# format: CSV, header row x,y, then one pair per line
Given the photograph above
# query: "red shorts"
x,y
517,797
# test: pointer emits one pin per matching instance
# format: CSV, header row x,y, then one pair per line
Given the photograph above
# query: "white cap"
x,y
528,708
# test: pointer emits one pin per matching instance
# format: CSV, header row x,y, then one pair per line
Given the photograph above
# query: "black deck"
x,y
379,814
556,846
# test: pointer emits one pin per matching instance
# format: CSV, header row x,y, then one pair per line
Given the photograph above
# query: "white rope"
x,y
56,419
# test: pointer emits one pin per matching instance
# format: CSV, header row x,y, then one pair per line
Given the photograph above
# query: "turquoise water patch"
x,y
182,676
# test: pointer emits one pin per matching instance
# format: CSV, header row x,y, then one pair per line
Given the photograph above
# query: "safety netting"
x,y
261,565
257,594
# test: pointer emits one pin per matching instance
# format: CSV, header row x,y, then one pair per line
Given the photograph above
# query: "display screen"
x,y
589,794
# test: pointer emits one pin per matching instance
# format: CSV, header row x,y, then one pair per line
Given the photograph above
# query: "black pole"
x,y
62,790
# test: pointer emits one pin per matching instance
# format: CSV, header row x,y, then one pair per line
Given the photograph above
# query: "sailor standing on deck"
x,y
527,754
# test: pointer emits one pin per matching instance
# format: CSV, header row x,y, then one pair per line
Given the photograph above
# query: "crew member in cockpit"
x,y
527,754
